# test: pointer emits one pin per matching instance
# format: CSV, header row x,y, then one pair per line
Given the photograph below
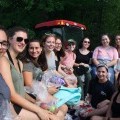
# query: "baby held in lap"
x,y
69,77
71,81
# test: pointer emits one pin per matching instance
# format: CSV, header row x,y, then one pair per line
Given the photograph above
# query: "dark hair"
x,y
44,38
12,31
26,58
118,78
2,28
99,66
60,53
102,65
115,43
117,35
81,43
106,34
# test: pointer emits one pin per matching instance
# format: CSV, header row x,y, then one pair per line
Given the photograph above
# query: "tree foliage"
x,y
100,16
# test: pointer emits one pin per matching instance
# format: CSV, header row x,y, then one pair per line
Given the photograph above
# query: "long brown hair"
x,y
11,32
60,53
2,28
45,37
41,62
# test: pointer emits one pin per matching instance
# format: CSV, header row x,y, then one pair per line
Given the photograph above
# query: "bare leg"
x,y
28,115
99,111
16,117
97,118
62,112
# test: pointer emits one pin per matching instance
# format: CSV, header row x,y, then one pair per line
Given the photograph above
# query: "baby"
x,y
71,81
69,77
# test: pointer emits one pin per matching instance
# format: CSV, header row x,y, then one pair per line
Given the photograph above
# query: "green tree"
x,y
100,16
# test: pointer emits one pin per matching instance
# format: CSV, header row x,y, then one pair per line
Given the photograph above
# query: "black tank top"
x,y
115,108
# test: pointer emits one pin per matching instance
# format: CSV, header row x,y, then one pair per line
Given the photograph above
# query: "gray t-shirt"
x,y
30,67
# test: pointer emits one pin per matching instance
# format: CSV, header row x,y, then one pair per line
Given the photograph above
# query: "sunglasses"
x,y
20,39
87,42
4,44
71,43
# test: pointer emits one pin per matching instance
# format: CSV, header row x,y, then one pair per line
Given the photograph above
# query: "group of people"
x,y
13,42
23,61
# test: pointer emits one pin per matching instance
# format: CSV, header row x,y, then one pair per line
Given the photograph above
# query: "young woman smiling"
x,y
83,58
11,70
113,112
35,66
100,92
105,54
34,62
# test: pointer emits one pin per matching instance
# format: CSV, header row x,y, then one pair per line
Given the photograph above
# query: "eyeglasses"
x,y
117,39
20,39
58,43
87,42
4,44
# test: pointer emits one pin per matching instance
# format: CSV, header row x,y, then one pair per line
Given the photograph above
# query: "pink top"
x,y
69,59
103,53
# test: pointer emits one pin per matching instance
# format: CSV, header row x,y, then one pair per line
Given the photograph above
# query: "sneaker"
x,y
68,117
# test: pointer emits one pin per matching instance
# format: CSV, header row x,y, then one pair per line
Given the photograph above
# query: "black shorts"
x,y
31,95
17,108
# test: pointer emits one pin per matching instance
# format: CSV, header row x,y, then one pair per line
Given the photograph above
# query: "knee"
x,y
93,118
64,108
96,118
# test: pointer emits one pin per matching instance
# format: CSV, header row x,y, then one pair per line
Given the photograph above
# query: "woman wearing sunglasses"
x,y
68,60
82,64
11,70
105,54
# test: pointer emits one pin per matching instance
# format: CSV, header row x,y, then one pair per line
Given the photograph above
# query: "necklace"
x,y
83,51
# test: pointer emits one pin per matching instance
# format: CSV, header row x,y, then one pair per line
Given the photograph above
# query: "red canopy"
x,y
60,23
